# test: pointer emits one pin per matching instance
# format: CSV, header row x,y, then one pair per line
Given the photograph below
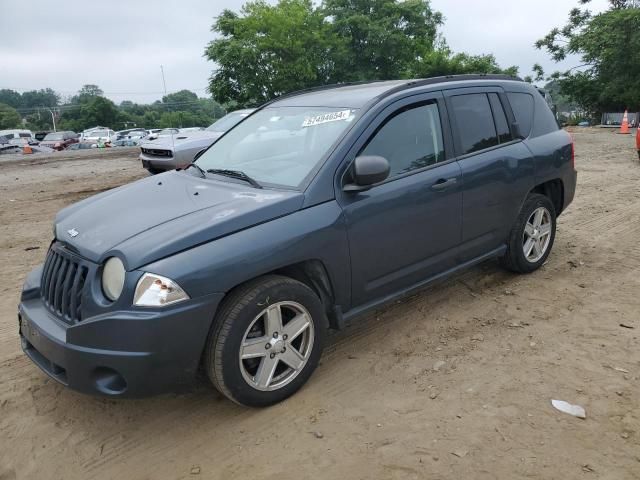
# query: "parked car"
x,y
19,133
126,142
82,146
131,133
39,136
59,140
6,147
100,137
179,151
239,263
165,132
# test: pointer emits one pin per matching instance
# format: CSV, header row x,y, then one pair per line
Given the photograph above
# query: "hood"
x,y
161,215
205,137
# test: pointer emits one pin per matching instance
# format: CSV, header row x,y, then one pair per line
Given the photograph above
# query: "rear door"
x,y
406,228
497,168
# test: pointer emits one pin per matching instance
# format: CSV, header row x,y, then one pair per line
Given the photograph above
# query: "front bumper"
x,y
132,353
158,164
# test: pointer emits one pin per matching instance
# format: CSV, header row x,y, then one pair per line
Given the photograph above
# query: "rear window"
x,y
476,129
522,106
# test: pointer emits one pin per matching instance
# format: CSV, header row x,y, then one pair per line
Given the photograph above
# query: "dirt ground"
x,y
452,383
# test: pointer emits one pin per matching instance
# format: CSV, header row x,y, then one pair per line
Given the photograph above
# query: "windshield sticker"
x,y
326,118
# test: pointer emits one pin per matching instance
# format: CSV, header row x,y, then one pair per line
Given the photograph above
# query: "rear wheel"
x,y
266,341
532,236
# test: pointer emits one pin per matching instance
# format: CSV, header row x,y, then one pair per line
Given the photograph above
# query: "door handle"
x,y
443,183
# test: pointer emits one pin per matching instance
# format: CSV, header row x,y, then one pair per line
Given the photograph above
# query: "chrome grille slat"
x,y
62,284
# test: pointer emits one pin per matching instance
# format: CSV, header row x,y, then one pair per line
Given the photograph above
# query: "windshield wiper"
x,y
235,174
203,174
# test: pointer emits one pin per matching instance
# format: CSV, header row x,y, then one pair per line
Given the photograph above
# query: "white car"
x,y
17,133
99,136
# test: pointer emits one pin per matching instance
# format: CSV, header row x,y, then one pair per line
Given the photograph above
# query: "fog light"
x,y
108,381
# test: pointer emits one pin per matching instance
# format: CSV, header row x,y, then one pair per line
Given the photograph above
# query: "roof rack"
x,y
449,78
319,88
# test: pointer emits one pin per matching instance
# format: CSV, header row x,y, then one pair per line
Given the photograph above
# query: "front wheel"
x,y
532,235
266,341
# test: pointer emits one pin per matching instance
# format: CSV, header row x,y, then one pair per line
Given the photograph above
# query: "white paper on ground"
x,y
575,410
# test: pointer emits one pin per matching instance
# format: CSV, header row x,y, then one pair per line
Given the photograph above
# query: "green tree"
x,y
608,78
442,61
86,93
40,98
380,39
10,97
267,50
9,117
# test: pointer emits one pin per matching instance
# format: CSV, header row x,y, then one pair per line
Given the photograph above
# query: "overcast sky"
x,y
120,46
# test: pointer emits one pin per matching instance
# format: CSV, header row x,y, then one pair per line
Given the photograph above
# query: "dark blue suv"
x,y
317,207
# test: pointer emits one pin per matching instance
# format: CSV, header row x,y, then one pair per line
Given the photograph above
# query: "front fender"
x,y
315,233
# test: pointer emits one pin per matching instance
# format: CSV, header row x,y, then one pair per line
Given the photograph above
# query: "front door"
x,y
407,228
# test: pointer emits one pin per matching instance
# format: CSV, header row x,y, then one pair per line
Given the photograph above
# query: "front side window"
x,y
474,120
279,145
409,140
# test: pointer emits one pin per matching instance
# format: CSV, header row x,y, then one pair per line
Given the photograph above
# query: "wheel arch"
x,y
554,191
314,274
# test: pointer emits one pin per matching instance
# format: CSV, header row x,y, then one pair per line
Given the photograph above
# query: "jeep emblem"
x,y
73,232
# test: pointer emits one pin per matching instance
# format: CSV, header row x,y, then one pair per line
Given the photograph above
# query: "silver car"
x,y
177,151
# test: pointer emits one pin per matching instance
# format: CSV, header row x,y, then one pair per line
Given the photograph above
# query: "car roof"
x,y
357,95
354,95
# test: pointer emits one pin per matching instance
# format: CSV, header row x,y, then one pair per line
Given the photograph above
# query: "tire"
x,y
523,257
247,324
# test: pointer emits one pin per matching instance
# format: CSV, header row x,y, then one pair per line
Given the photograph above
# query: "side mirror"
x,y
367,171
199,154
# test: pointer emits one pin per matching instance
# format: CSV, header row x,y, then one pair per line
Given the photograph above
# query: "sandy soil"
x,y
452,383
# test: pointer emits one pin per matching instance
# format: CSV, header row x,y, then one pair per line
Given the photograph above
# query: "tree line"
x,y
89,107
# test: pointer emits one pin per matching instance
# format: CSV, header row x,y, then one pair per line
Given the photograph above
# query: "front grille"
x,y
63,280
157,152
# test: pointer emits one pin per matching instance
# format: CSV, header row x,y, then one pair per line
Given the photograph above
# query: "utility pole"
x,y
163,82
53,118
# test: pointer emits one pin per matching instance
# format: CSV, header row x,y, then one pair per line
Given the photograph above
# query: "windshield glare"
x,y
279,145
227,122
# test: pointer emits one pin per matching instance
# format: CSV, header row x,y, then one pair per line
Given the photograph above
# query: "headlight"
x,y
113,278
156,291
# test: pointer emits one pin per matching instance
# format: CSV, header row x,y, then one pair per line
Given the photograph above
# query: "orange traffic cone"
x,y
624,128
638,140
27,149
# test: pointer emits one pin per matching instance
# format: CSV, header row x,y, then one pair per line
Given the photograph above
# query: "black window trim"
x,y
428,98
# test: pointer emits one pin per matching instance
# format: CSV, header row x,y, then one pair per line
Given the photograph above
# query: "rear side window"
x,y
522,106
502,126
409,140
476,129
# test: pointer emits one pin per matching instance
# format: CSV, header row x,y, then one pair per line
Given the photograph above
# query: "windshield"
x,y
54,136
227,122
279,145
98,133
